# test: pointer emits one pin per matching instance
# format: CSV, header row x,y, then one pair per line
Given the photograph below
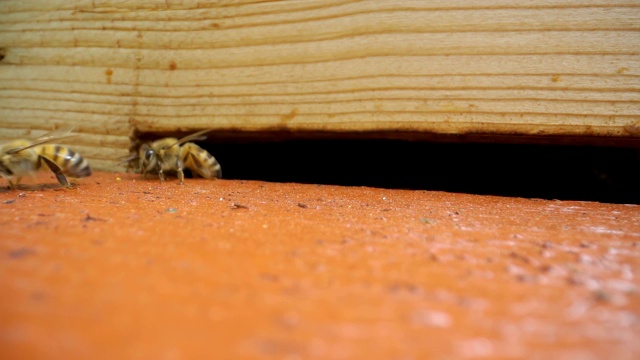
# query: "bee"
x,y
172,154
24,157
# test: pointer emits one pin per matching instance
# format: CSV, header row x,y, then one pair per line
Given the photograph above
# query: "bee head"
x,y
148,157
4,170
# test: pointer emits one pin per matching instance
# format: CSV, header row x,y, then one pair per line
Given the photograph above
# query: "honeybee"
x,y
24,157
172,154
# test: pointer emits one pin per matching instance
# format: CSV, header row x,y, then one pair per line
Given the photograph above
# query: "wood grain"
x,y
445,67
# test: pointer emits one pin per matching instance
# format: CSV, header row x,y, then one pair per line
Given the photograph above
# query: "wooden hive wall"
x,y
552,67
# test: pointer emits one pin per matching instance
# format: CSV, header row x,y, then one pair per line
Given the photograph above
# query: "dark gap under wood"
x,y
520,167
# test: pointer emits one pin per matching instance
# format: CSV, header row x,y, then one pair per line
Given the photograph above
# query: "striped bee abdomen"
x,y
198,160
69,161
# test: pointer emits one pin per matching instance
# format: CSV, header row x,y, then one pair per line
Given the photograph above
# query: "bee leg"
x,y
180,166
181,176
57,171
161,175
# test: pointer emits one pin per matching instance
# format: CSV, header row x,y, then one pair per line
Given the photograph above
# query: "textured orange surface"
x,y
125,268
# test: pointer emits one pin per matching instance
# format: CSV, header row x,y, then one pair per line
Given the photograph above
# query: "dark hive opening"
x,y
591,173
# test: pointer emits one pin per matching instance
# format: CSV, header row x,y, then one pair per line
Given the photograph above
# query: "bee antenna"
x,y
128,159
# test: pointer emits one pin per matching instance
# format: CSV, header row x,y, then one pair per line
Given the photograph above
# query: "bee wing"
x,y
196,136
48,137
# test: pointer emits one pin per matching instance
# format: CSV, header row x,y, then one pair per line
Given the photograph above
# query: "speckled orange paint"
x,y
125,268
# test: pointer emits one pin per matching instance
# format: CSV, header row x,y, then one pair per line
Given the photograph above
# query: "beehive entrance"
x,y
594,173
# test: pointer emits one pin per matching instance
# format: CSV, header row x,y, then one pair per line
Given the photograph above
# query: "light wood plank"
x,y
492,67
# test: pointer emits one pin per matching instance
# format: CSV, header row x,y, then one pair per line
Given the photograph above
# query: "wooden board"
x,y
496,67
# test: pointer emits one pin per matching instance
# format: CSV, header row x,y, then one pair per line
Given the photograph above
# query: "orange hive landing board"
x,y
123,268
